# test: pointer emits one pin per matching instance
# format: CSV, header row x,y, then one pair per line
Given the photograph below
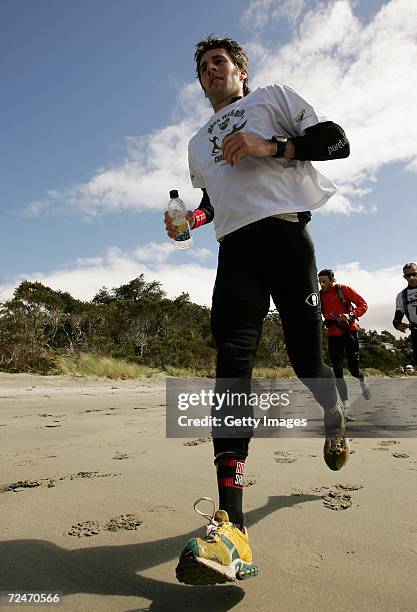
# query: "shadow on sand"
x,y
36,565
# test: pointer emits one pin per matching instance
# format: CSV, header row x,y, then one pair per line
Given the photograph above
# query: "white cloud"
x,y
155,252
361,75
153,164
263,12
84,277
160,253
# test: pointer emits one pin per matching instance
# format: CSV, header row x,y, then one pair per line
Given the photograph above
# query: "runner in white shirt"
x,y
252,160
258,187
406,305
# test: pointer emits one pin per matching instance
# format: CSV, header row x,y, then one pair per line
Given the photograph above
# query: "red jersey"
x,y
332,307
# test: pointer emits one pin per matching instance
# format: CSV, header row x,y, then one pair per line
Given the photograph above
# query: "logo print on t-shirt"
x,y
312,299
235,128
300,115
223,128
216,147
223,125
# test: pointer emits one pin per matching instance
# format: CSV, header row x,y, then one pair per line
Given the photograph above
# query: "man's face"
x,y
325,282
219,76
411,280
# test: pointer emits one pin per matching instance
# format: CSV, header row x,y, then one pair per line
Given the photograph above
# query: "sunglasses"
x,y
410,274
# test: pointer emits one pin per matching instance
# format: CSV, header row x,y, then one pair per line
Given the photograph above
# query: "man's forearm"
x,y
205,212
321,142
398,317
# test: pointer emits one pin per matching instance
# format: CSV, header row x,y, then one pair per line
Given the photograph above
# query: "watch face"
x,y
281,145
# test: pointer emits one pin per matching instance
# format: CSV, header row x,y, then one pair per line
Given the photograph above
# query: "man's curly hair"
x,y
233,48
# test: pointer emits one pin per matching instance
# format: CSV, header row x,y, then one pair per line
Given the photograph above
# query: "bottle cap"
x,y
173,194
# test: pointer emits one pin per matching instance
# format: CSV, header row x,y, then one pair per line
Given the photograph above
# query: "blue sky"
x,y
98,102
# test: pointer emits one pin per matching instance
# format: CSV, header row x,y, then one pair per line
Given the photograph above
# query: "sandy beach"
x,y
96,503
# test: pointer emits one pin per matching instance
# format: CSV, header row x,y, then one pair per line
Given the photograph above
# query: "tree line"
x,y
138,323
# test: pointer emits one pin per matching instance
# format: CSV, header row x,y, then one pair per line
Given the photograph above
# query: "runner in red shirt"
x,y
341,306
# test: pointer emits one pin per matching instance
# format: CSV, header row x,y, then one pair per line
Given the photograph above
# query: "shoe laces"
x,y
213,526
335,444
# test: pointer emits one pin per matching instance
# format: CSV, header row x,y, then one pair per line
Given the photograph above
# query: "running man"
x,y
406,304
341,307
259,188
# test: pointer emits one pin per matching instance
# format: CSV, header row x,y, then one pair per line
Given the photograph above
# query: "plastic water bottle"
x,y
177,211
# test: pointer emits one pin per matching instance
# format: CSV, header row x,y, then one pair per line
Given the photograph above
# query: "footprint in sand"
x,y
94,474
20,485
124,522
85,529
121,456
197,442
284,457
388,442
336,500
348,486
400,455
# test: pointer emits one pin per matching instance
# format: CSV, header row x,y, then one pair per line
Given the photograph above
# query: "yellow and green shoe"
x,y
224,555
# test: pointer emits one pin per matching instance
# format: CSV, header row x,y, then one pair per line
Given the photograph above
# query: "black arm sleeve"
x,y
321,142
398,317
205,206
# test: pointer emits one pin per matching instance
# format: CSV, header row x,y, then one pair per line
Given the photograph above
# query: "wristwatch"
x,y
281,145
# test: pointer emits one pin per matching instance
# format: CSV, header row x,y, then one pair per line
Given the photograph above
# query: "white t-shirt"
x,y
260,186
412,303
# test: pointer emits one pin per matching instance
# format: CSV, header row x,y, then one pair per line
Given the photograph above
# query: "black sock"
x,y
230,470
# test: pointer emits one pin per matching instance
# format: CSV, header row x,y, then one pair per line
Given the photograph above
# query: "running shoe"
x,y
222,556
366,392
347,409
336,448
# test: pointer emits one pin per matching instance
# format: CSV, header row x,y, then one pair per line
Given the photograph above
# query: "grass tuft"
x,y
87,364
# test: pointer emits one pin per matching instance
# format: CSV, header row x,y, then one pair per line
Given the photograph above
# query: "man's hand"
x,y
171,228
403,327
349,317
236,146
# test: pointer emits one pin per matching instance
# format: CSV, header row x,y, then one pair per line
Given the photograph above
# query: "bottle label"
x,y
183,233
